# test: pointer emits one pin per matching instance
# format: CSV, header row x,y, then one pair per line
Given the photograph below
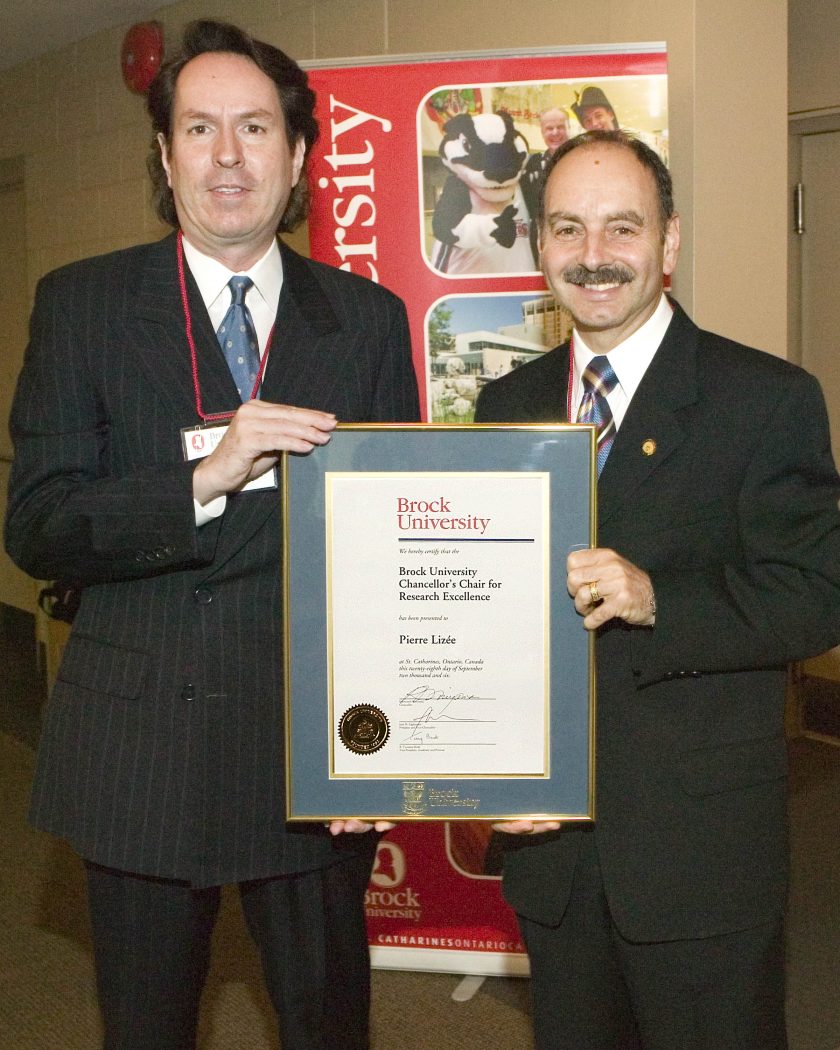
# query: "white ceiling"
x,y
29,28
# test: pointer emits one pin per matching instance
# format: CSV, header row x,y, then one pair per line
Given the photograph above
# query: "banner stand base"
x,y
467,987
441,960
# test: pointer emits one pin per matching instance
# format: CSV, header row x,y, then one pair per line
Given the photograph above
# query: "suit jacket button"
x,y
188,692
203,595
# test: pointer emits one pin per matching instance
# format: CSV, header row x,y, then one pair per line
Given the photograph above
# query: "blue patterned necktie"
x,y
238,339
598,380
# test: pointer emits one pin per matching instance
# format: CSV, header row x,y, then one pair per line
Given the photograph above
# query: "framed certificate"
x,y
435,667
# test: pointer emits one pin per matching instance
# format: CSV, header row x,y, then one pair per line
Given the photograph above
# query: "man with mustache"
x,y
161,758
660,925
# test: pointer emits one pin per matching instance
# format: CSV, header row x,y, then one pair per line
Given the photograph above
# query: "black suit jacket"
x,y
162,751
720,484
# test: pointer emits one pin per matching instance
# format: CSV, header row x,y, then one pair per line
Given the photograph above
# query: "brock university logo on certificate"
x,y
432,678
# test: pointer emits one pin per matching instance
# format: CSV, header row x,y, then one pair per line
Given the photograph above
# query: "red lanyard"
x,y
204,416
571,379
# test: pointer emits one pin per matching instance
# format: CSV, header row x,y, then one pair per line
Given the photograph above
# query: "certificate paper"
x,y
459,686
435,667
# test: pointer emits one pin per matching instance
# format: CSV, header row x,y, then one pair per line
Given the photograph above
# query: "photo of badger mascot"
x,y
481,223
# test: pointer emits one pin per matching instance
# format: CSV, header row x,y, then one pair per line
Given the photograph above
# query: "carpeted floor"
x,y
46,981
46,977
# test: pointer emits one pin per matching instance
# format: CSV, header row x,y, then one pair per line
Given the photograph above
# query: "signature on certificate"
x,y
444,709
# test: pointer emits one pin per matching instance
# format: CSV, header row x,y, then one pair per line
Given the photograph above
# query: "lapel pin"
x,y
649,447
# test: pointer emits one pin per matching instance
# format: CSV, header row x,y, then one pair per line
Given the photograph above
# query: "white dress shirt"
x,y
629,361
262,299
212,278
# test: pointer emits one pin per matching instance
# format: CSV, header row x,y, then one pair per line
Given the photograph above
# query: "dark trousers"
x,y
152,949
594,990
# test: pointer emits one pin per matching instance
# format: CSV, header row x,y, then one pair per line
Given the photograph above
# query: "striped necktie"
x,y
598,380
238,338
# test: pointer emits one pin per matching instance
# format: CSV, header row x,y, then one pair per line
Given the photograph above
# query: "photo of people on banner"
x,y
482,152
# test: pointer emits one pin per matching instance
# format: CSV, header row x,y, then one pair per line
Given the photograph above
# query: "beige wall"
x,y
739,170
83,137
813,54
13,299
15,588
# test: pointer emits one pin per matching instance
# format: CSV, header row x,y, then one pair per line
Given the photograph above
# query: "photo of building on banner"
x,y
471,339
425,179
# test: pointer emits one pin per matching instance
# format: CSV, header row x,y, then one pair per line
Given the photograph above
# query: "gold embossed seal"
x,y
363,729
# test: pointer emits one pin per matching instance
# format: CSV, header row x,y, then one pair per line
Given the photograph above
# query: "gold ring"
x,y
594,593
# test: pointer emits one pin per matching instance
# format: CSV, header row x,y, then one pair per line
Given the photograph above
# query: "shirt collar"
x,y
632,357
212,277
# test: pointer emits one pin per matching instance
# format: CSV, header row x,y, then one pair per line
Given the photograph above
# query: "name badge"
x,y
201,440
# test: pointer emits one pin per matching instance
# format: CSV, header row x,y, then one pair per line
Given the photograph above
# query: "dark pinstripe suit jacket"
x,y
162,751
720,484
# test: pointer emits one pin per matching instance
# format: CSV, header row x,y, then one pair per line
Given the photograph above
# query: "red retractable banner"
x,y
431,906
425,178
